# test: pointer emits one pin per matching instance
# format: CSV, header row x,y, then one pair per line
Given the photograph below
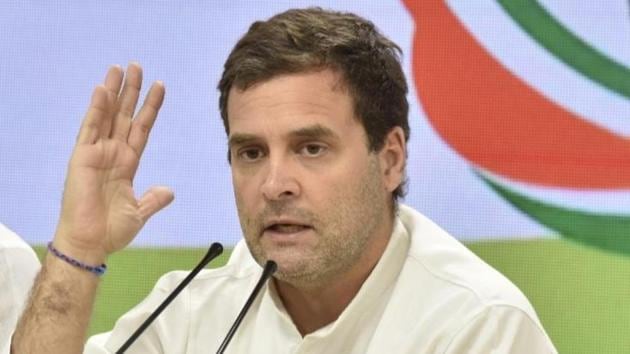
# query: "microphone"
x,y
270,268
214,250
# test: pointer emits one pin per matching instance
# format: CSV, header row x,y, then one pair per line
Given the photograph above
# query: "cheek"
x,y
331,188
244,192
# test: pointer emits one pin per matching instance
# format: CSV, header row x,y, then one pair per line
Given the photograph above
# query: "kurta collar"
x,y
372,296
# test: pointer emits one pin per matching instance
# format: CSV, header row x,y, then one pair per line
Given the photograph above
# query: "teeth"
x,y
288,228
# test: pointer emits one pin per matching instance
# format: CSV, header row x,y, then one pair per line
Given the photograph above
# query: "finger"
x,y
98,111
114,78
127,102
142,124
154,200
112,83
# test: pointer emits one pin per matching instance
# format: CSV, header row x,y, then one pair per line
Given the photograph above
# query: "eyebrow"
x,y
315,131
240,139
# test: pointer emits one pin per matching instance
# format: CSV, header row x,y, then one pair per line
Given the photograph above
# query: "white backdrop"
x,y
52,53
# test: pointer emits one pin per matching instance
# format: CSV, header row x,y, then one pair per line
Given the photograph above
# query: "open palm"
x,y
100,212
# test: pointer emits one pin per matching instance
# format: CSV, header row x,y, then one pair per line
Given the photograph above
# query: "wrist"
x,y
85,253
97,270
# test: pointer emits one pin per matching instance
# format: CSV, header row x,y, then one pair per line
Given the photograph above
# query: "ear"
x,y
393,158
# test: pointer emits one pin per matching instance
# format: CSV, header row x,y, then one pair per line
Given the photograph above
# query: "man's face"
x,y
309,194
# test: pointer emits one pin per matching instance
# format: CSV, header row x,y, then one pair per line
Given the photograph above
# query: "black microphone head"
x,y
270,267
214,250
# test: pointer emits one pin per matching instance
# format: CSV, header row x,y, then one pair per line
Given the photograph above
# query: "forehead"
x,y
291,101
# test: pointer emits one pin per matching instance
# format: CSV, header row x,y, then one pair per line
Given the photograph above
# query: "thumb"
x,y
154,200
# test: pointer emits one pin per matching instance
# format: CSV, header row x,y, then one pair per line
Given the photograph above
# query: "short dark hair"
x,y
303,40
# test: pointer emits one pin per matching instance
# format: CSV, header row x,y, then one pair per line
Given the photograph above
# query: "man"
x,y
18,267
314,105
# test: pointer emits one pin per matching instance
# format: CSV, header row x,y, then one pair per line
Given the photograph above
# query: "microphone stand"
x,y
270,268
214,250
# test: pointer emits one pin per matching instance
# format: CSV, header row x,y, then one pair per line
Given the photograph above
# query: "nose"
x,y
280,180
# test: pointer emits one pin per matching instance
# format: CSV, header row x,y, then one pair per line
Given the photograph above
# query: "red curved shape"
x,y
497,121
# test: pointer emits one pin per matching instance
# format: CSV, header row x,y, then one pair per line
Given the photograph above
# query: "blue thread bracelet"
x,y
98,270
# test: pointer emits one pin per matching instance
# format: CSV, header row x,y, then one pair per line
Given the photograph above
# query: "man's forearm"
x,y
58,312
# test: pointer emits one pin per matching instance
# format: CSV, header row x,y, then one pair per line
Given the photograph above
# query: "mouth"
x,y
285,228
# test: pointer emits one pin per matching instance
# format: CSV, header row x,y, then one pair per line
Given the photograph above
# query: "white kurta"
x,y
427,294
18,267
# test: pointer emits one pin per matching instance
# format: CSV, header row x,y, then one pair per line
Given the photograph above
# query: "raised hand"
x,y
100,213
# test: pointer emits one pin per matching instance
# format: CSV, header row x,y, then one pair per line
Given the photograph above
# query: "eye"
x,y
250,154
313,150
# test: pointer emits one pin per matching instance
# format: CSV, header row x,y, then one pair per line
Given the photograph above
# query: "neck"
x,y
312,308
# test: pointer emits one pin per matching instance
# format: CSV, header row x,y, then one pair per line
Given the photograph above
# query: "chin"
x,y
290,267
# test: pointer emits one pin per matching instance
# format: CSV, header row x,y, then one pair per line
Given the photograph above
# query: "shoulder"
x,y
450,266
503,329
453,297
